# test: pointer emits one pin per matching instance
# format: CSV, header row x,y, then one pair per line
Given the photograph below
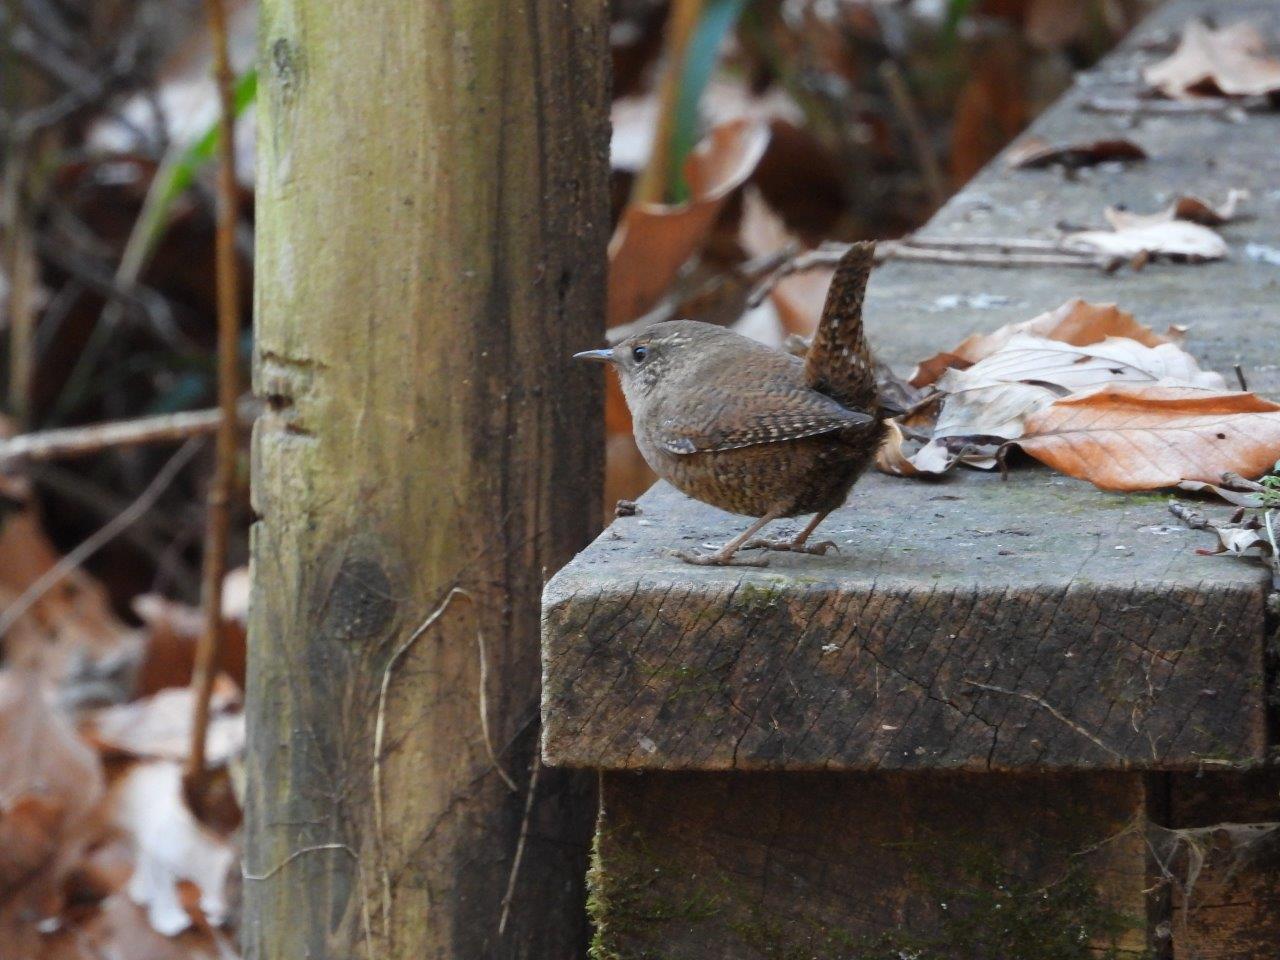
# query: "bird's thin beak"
x,y
605,356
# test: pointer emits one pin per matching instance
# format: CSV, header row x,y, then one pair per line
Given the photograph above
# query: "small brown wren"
x,y
752,430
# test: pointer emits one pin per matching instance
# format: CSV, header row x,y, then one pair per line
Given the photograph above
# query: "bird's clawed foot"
x,y
792,546
721,558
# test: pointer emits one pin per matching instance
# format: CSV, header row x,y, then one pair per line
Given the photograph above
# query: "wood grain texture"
x,y
967,623
432,220
1034,624
748,867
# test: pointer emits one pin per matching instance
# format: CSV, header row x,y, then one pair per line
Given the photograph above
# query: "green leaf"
x,y
701,56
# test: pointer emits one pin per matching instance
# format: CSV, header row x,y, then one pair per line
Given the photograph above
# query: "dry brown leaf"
x,y
1035,152
995,396
159,726
1145,438
1076,322
1175,239
172,628
1232,61
50,786
171,846
118,930
654,240
1185,207
71,628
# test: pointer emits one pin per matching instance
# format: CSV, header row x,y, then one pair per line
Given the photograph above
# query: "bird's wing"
x,y
839,362
769,412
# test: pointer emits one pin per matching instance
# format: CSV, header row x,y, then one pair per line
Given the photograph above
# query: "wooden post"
x,y
432,218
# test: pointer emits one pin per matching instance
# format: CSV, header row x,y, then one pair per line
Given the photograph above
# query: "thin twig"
x,y
961,251
1189,515
926,156
484,712
1199,106
1045,705
524,835
380,728
60,570
69,442
209,648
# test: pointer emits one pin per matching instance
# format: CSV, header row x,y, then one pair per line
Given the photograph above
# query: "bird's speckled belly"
x,y
800,476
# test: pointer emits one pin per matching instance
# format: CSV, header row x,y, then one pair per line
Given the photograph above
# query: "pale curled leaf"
x,y
1176,239
1076,322
1148,437
1186,207
1231,60
995,396
1240,498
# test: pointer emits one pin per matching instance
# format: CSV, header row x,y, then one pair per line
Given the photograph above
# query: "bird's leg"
x,y
797,544
724,556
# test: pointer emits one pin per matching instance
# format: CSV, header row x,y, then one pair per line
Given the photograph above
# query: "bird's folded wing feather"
x,y
793,413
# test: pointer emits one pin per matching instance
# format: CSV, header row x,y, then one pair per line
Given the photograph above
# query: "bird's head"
x,y
656,353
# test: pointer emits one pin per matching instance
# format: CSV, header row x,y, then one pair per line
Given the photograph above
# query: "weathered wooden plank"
x,y
968,623
742,867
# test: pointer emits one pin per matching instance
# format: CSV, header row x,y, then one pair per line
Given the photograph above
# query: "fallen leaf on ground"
x,y
1145,438
69,636
1232,61
653,240
1076,322
118,930
1190,208
159,726
171,846
1035,152
50,786
172,629
1175,239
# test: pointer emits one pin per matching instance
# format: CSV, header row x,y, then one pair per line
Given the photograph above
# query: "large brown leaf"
x,y
653,240
1144,438
1076,322
1232,60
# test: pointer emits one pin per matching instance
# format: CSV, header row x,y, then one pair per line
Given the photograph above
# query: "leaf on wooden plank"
x,y
171,846
1076,322
653,240
1172,239
1033,152
1186,207
1147,437
995,396
1231,61
1241,498
1241,541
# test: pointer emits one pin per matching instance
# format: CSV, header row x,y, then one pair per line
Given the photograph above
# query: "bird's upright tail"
x,y
840,362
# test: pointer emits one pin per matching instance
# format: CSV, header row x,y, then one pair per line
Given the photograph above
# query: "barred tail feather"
x,y
839,362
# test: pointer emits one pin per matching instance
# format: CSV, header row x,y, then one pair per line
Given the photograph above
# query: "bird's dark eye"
x,y
639,352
